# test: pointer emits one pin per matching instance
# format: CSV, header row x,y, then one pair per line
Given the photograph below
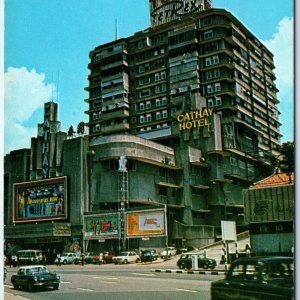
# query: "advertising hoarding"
x,y
228,230
145,223
164,11
101,226
41,200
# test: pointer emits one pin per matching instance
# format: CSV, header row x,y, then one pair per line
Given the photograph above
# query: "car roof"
x,y
264,259
32,266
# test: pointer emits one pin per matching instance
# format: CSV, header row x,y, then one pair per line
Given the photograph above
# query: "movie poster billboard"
x,y
41,200
101,226
145,223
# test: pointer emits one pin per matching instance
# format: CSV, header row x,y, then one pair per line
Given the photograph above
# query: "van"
x,y
28,257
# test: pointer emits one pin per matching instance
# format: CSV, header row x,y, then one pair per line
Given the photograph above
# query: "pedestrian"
x,y
13,260
82,259
41,257
101,258
58,259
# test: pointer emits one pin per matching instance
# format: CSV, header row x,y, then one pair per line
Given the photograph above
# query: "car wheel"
x,y
29,286
56,286
181,266
125,261
205,267
64,262
15,286
137,260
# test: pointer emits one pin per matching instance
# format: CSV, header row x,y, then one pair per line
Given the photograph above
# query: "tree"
x,y
71,131
287,151
80,128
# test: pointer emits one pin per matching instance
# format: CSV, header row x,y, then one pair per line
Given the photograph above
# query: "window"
x,y
142,106
208,34
160,88
144,68
145,93
160,76
161,101
144,81
213,60
164,113
148,104
158,115
142,119
148,117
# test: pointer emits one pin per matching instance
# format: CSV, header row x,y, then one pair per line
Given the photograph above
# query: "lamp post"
x,y
122,199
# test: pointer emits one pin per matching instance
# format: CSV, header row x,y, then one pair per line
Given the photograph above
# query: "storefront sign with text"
x,y
195,119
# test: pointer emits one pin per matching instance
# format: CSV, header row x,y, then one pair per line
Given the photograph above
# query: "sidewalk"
x,y
9,296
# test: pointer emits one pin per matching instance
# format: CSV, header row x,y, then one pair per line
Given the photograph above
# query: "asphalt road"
x,y
121,282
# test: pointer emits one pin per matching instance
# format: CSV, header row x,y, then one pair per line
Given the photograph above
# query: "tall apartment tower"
x,y
148,83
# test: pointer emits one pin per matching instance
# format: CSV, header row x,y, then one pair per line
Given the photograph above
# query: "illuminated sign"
x,y
101,226
195,119
41,200
145,223
164,11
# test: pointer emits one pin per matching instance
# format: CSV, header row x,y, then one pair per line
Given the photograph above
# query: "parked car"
x,y
126,257
170,251
107,257
66,258
31,277
27,257
149,255
186,249
257,278
185,261
88,258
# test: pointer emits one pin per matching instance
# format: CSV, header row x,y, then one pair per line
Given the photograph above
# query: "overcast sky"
x,y
47,45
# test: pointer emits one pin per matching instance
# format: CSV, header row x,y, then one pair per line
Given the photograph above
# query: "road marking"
x,y
143,274
87,290
183,290
108,278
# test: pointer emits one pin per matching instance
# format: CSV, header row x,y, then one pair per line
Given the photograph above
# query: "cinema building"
x,y
183,116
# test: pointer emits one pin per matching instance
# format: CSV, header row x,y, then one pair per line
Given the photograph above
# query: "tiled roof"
x,y
274,180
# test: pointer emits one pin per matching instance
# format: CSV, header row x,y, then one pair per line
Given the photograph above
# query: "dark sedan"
x,y
31,277
256,279
186,261
149,255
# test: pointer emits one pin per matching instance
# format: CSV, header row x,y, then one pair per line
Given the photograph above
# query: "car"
x,y
257,278
34,276
88,258
126,257
66,258
186,249
170,251
148,255
107,257
186,261
27,257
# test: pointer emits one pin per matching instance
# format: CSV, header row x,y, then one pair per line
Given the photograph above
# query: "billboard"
x,y
228,230
145,223
164,11
40,200
101,226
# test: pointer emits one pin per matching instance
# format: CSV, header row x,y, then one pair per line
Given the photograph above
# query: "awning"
x,y
162,183
201,187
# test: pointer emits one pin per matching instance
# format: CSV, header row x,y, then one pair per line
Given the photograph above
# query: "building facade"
x,y
190,104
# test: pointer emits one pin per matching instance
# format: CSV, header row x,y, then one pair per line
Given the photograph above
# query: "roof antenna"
x,y
57,87
52,89
116,29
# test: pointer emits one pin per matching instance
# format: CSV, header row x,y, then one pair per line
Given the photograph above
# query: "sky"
x,y
47,45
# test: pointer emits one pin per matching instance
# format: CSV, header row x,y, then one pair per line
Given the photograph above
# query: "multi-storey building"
x,y
190,102
146,84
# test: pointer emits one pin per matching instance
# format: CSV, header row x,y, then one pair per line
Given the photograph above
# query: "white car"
x,y
126,257
65,258
170,251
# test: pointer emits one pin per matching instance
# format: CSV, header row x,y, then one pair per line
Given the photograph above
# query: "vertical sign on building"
x,y
46,147
164,11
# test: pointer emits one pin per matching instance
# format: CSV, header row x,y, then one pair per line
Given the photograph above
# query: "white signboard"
x,y
228,230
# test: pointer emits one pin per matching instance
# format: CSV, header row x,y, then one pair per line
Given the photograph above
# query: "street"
x,y
133,281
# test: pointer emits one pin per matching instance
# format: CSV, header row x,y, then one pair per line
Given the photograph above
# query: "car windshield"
x,y
37,270
278,273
